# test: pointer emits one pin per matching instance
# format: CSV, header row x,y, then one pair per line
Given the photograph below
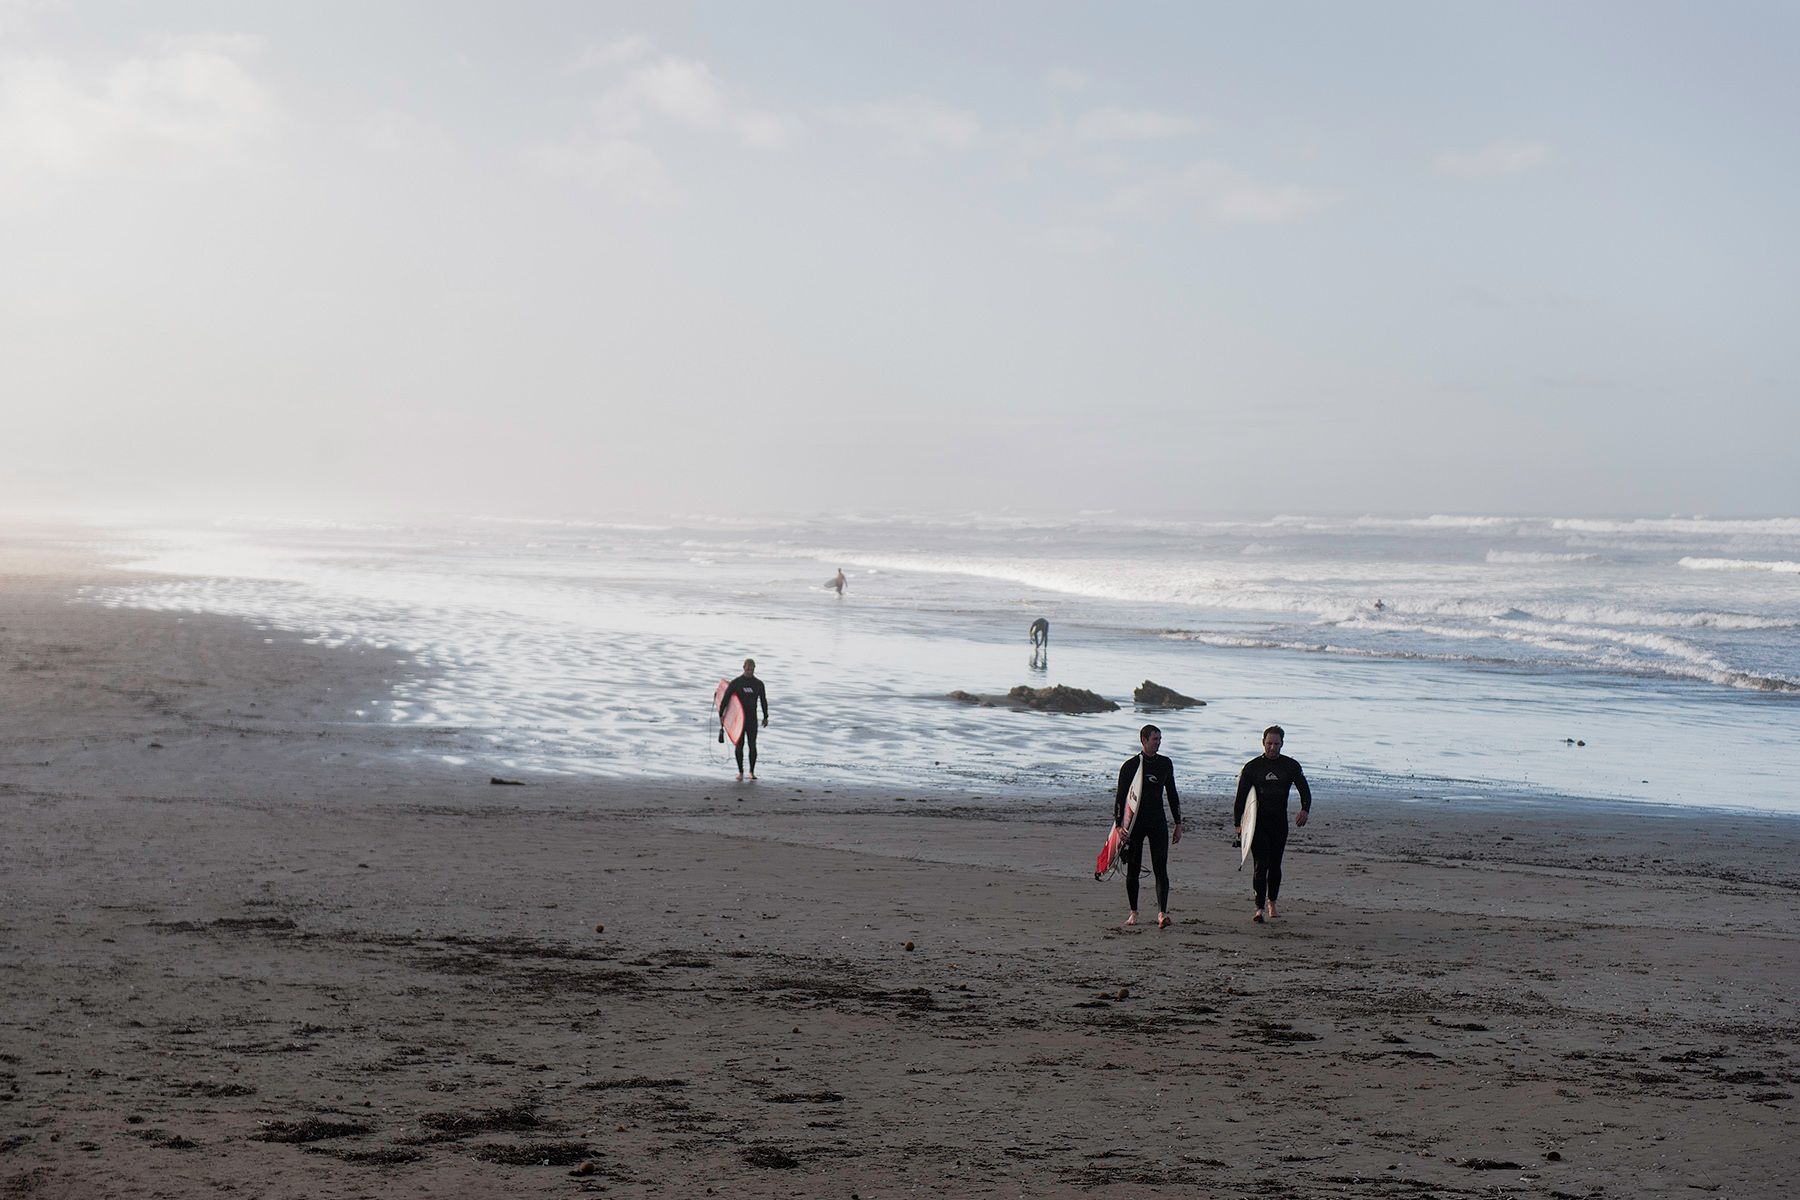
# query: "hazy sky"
x,y
563,258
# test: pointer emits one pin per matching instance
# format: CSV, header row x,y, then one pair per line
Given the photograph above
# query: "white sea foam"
x,y
1741,564
1536,556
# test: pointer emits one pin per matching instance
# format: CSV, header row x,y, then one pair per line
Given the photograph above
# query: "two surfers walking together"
x,y
1147,778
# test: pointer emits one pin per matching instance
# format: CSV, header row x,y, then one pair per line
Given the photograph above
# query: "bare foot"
x,y
753,776
1257,916
1162,921
1273,915
1132,919
740,777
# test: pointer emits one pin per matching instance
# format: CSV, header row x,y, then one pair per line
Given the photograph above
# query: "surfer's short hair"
x,y
751,663
1147,730
1277,730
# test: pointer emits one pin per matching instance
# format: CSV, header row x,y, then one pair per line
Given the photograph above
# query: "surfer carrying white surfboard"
x,y
1156,781
748,691
1271,775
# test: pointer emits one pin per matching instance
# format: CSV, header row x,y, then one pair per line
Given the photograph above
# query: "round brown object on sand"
x,y
599,929
908,946
1124,993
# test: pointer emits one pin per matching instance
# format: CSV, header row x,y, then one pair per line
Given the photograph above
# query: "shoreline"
x,y
294,958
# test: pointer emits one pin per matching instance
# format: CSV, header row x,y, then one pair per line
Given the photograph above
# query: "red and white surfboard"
x,y
731,720
1112,855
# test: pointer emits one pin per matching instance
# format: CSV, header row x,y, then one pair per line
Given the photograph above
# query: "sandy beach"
x,y
252,945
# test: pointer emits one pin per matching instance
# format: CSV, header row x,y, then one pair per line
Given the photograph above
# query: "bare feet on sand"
x,y
1162,921
1257,916
740,777
753,777
1132,919
1273,915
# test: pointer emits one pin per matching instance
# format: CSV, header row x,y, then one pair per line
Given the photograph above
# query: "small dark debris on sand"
x,y
773,1157
392,1156
1489,1164
1061,699
636,1081
496,781
1155,695
803,1098
495,1120
310,1130
536,1154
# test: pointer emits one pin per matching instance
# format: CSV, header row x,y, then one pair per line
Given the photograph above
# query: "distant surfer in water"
x,y
1272,774
839,582
749,691
1150,826
1040,640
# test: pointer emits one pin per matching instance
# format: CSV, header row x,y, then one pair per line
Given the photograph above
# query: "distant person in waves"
x,y
1272,774
839,583
749,691
1040,640
1150,825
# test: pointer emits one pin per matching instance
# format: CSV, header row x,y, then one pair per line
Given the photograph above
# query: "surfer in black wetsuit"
x,y
1040,640
749,691
1150,826
1272,774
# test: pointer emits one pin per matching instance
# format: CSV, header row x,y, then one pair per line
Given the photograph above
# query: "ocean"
x,y
1635,659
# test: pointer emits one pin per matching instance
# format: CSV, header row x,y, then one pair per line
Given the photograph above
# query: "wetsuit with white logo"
x,y
1150,826
749,691
1272,778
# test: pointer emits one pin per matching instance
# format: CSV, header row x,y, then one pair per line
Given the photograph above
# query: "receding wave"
x,y
1780,566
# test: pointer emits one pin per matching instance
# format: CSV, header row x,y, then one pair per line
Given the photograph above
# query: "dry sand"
x,y
290,955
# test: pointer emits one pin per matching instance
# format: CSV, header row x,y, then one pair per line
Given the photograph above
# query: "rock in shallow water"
x,y
1062,699
1155,695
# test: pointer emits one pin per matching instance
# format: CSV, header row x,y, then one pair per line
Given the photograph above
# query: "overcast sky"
x,y
577,258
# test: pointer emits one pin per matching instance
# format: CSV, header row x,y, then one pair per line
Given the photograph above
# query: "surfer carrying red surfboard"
x,y
1271,774
1158,779
748,691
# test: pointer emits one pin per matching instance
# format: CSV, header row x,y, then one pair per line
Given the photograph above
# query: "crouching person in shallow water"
x,y
1150,826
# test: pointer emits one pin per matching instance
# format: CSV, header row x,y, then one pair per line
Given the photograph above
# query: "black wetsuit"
x,y
1040,633
749,691
1271,777
1150,826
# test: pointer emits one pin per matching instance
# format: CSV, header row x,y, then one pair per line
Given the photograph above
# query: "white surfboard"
x,y
1248,827
1112,854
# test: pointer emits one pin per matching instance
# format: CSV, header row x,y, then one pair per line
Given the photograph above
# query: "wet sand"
x,y
253,945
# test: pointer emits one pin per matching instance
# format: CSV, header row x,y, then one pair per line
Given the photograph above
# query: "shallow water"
x,y
1667,646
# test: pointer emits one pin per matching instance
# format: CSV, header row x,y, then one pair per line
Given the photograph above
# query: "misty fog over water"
x,y
1467,652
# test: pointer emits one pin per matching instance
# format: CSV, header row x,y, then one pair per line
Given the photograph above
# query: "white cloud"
x,y
919,124
191,97
1115,124
1492,161
1069,79
686,91
1220,192
620,50
614,154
